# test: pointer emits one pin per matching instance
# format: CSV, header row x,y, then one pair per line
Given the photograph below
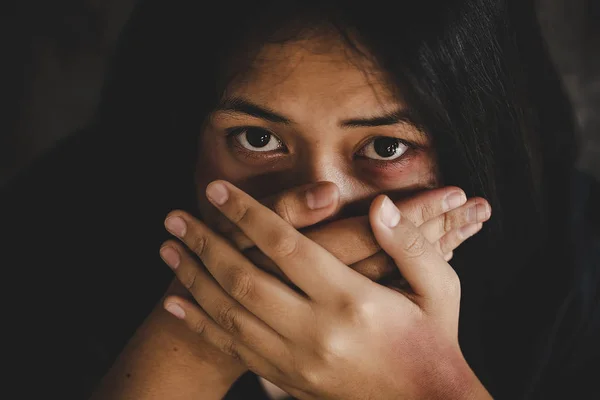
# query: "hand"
x,y
443,215
348,337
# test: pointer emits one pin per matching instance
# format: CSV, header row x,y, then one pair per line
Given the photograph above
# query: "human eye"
x,y
254,139
384,148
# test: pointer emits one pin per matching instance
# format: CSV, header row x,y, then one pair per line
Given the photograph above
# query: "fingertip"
x,y
483,201
453,199
389,213
217,192
170,256
175,309
322,195
384,212
375,207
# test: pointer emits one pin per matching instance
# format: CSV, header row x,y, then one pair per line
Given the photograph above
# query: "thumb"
x,y
427,273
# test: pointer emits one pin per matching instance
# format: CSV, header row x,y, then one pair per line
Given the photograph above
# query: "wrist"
x,y
193,356
200,354
456,380
164,357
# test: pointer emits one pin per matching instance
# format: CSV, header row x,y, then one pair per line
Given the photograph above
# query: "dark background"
x,y
56,54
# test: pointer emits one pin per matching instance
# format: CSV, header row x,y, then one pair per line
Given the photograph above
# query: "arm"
x,y
164,351
149,367
345,337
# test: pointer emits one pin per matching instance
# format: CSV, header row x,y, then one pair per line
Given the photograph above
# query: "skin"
x,y
344,337
317,87
309,90
166,359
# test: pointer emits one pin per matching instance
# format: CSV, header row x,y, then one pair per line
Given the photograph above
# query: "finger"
x,y
300,207
310,267
430,277
232,317
431,203
373,267
474,211
376,267
456,237
262,294
351,240
437,211
198,321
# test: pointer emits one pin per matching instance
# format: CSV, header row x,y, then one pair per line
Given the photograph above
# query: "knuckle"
x,y
229,347
354,312
240,213
189,280
427,211
284,208
199,244
199,326
310,375
415,245
227,318
284,245
241,285
446,223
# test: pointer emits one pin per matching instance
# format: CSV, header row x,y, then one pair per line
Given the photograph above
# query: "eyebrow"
x,y
240,105
392,118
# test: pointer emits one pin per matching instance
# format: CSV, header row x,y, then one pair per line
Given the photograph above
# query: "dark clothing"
x,y
81,229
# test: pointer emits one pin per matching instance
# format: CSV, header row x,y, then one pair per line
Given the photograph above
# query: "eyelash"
x,y
232,133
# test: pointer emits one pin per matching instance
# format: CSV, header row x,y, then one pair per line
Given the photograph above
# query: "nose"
x,y
355,195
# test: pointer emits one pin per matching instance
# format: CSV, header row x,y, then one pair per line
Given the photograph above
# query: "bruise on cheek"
x,y
418,170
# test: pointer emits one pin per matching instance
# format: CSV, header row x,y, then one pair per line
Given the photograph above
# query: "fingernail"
x,y
217,193
454,200
469,230
478,213
176,310
318,197
389,213
170,256
176,225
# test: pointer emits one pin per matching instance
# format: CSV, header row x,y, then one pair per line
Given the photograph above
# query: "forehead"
x,y
320,71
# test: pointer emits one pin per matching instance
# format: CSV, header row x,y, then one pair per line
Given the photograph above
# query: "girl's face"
x,y
308,111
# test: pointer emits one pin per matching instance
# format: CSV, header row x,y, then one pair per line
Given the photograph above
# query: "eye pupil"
x,y
386,147
258,138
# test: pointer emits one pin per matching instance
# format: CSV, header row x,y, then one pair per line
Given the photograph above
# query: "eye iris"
x,y
258,138
386,147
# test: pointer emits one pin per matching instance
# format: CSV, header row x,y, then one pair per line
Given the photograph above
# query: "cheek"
x,y
420,171
215,161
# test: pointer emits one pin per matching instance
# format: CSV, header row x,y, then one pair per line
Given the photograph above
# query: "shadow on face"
x,y
313,110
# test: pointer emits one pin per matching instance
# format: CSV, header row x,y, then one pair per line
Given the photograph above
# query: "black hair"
x,y
479,78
